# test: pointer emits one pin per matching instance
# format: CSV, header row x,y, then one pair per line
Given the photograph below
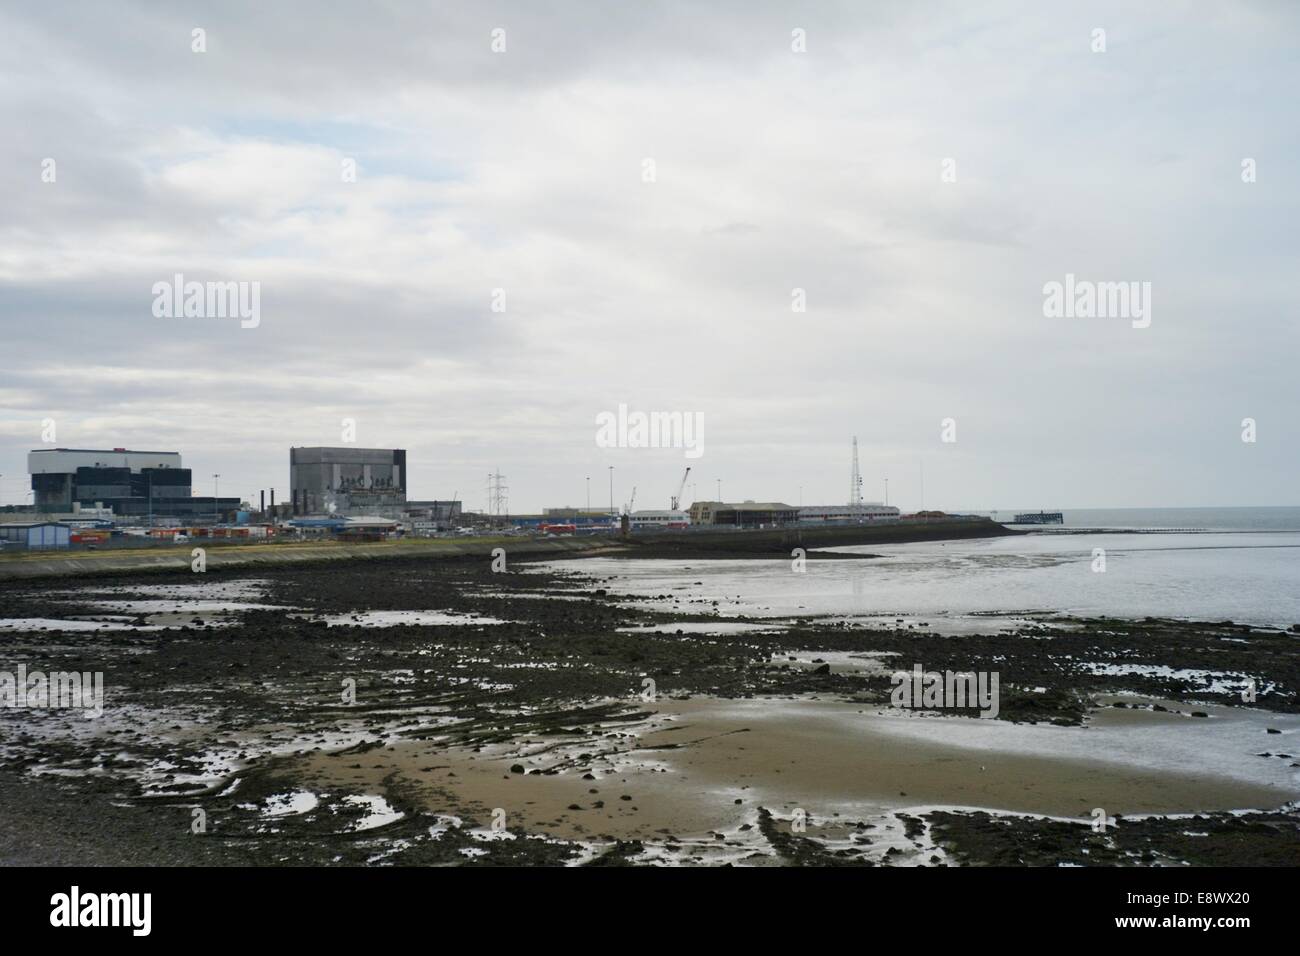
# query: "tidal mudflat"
x,y
414,712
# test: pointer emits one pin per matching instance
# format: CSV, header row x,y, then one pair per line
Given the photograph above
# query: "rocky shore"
x,y
413,711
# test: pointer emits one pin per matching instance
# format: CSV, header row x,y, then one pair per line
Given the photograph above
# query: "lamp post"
x,y
589,494
216,513
611,489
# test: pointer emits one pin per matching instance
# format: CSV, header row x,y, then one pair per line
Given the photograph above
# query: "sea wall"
x,y
23,565
783,540
18,565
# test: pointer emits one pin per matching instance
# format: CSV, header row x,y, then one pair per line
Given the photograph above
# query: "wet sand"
x,y
455,716
705,765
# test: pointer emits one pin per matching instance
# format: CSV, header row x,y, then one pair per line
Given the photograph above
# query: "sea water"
x,y
1246,576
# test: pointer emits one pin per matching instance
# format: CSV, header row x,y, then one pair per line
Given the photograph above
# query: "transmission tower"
x,y
497,498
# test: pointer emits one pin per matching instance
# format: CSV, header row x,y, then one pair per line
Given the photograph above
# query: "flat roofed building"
x,y
744,514
131,484
130,480
68,460
651,519
341,480
36,535
63,476
848,514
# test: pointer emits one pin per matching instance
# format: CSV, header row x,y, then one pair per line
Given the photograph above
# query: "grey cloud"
x,y
523,172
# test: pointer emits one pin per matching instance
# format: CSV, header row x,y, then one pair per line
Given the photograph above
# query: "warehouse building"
x,y
847,514
745,514
370,481
671,519
36,535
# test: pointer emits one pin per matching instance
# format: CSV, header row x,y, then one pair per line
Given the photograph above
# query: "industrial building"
x,y
369,481
357,528
35,535
579,516
847,514
744,514
652,520
437,513
578,520
131,483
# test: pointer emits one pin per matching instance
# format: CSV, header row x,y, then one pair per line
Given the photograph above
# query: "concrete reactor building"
x,y
362,481
132,483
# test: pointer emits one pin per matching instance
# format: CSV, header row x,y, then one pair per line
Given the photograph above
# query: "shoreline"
x,y
23,565
239,713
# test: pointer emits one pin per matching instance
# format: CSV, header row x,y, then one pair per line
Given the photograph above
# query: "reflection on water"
x,y
1247,578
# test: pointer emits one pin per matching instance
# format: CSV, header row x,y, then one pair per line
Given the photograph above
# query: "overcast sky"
x,y
774,170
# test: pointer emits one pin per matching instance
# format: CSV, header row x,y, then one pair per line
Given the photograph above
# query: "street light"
x,y
216,513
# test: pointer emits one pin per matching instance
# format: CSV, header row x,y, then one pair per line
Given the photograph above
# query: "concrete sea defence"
x,y
780,541
27,565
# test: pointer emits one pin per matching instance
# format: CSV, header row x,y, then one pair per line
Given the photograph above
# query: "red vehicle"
x,y
558,528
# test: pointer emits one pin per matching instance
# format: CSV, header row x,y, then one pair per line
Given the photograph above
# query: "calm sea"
x,y
1203,519
1236,564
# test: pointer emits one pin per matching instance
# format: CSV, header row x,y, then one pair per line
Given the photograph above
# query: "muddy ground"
x,y
215,723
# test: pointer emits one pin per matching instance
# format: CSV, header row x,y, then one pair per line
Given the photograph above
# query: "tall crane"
x,y
680,488
631,501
